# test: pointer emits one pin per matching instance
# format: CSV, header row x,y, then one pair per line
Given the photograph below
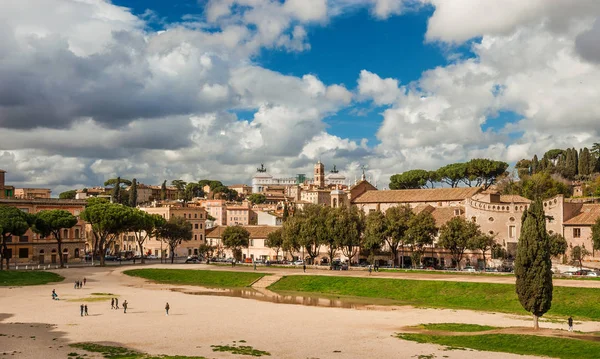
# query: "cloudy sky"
x,y
192,89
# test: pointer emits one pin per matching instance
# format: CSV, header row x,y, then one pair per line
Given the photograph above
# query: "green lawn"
x,y
114,352
205,278
456,327
581,303
517,344
21,278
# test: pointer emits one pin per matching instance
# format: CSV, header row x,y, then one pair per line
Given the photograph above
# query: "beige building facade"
x,y
33,193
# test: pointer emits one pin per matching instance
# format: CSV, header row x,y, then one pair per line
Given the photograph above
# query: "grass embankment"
x,y
456,327
114,352
516,344
581,303
22,278
204,278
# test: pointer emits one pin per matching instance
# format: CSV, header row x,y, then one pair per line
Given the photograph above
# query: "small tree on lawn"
x,y
484,243
53,222
206,250
397,220
375,231
578,254
173,232
456,235
13,222
558,245
235,238
533,267
349,243
144,225
421,233
275,241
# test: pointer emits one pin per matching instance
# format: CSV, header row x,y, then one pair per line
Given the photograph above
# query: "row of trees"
x,y
107,220
478,172
349,231
568,163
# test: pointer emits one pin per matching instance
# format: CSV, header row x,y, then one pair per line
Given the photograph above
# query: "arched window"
x,y
41,251
76,232
65,251
65,233
76,253
491,219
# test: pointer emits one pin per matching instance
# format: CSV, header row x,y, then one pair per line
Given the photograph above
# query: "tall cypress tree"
x,y
533,265
116,193
576,159
535,165
163,190
133,193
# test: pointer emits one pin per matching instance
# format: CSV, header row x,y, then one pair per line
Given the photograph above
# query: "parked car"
x,y
151,256
299,263
469,269
193,260
495,270
592,274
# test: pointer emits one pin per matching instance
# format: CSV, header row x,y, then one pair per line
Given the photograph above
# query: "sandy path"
x,y
196,322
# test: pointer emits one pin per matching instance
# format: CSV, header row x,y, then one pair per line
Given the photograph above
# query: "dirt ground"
x,y
32,325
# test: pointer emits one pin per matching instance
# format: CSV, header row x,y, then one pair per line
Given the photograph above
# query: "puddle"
x,y
290,298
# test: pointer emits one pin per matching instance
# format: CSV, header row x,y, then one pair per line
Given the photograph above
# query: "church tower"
x,y
319,175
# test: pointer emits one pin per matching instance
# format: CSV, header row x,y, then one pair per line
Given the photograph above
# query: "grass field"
x,y
114,352
580,303
204,278
22,278
456,327
517,344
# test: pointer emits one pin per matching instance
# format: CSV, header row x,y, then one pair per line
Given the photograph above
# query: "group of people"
x,y
80,283
373,268
84,310
114,304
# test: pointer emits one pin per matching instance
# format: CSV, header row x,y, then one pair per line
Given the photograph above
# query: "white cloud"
x,y
382,91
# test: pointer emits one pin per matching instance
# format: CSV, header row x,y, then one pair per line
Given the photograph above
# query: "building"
x,y
32,193
217,208
240,214
269,218
194,215
263,180
256,247
31,248
316,196
242,189
5,191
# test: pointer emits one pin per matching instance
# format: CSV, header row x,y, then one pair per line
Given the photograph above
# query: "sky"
x,y
192,89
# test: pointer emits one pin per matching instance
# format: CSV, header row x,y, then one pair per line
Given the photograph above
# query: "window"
x,y
76,232
23,252
195,215
576,232
511,231
512,219
252,243
195,237
200,225
24,239
196,226
201,239
76,252
491,219
66,234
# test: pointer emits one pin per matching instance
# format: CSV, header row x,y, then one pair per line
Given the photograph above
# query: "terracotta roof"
x,y
256,232
587,216
418,195
508,198
444,214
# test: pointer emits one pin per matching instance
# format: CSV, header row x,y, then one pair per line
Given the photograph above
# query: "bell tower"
x,y
319,175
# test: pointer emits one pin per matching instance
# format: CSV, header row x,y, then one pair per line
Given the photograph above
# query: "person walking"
x,y
75,285
370,269
125,306
112,303
116,303
84,280
85,309
81,310
570,322
304,267
54,295
167,307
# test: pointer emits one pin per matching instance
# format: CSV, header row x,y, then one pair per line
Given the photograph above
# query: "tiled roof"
x,y
441,215
505,198
588,215
256,232
418,195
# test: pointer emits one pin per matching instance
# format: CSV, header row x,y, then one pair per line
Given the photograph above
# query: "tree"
x,y
192,190
542,185
596,234
116,192
483,242
596,150
485,172
68,194
173,232
349,243
336,223
375,231
410,179
286,212
143,225
107,220
421,232
524,168
456,235
133,194
535,165
533,267
397,219
275,241
453,174
13,222
578,254
236,238
206,250
257,198
163,190
558,245
313,231
291,234
180,186
53,222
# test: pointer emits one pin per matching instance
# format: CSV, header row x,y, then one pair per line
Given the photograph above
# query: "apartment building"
x,y
33,193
